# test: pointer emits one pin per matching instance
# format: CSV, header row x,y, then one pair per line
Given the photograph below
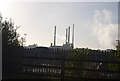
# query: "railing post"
x,y
20,56
62,68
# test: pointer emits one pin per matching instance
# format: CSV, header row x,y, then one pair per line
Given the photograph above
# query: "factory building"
x,y
67,45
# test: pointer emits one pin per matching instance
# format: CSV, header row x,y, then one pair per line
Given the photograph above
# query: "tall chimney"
x,y
55,36
73,37
66,35
69,34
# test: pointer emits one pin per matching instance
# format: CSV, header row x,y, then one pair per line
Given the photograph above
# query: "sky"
x,y
96,23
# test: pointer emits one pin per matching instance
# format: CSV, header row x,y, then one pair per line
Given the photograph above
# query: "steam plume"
x,y
104,30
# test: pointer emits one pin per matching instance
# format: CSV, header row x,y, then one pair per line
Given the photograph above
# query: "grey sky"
x,y
38,19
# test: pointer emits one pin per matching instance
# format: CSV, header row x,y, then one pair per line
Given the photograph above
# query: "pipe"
x,y
69,34
73,37
66,35
55,36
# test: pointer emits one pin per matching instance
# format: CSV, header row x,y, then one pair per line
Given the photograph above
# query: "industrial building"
x,y
67,45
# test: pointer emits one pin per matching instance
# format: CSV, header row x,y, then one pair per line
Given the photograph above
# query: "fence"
x,y
11,61
45,63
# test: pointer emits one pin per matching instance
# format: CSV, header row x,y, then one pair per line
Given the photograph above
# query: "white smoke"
x,y
60,38
104,30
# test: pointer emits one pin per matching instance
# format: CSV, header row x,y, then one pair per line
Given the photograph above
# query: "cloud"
x,y
104,30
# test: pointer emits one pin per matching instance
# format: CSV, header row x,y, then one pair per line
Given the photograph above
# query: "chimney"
x,y
69,34
51,44
55,36
73,37
66,35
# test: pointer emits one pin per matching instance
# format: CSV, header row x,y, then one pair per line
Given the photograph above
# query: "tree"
x,y
10,49
76,54
9,34
115,57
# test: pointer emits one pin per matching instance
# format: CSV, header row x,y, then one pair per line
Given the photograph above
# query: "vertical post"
x,y
66,35
20,59
62,68
73,37
69,34
55,36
